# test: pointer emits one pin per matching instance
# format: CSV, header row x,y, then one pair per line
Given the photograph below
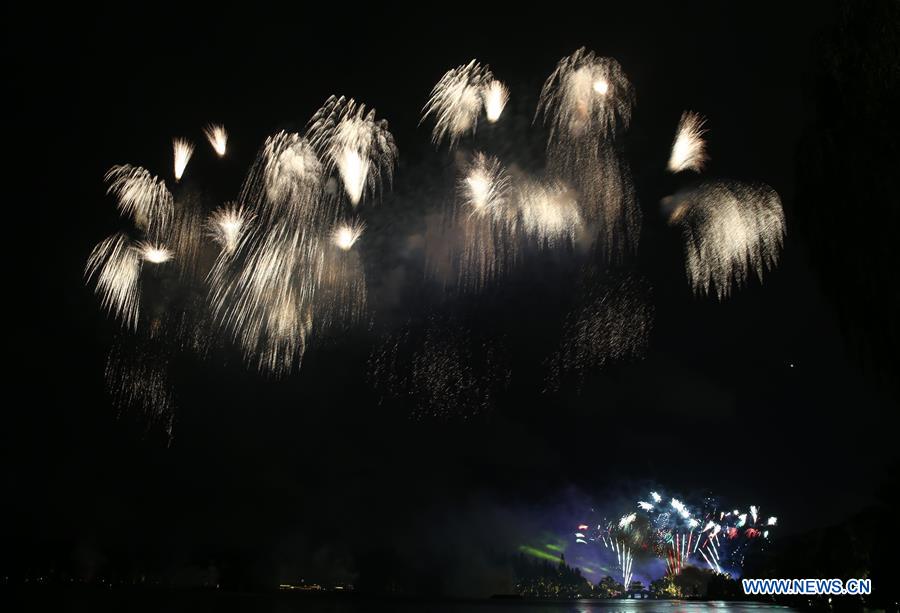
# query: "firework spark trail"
x,y
182,150
612,323
116,265
185,237
586,102
729,230
353,141
689,148
457,99
217,137
227,225
342,294
711,566
136,375
141,196
440,369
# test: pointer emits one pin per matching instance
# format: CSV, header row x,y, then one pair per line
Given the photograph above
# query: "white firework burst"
x,y
549,212
485,187
141,196
116,266
729,229
182,150
495,96
689,148
457,99
346,234
153,252
586,103
351,140
217,137
586,96
227,225
291,178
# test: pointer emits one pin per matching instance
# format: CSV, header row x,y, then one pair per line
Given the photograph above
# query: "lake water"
x,y
121,601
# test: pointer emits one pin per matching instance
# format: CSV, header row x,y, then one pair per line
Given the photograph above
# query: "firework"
x,y
264,292
729,229
549,211
622,538
612,323
183,150
141,196
444,373
116,266
217,137
286,181
689,148
346,235
153,253
586,96
627,520
457,99
679,540
485,188
350,139
586,103
136,375
227,225
495,97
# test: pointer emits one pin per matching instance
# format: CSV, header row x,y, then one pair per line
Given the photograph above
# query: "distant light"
x,y
601,86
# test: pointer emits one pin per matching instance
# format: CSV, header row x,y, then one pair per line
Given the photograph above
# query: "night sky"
x,y
783,395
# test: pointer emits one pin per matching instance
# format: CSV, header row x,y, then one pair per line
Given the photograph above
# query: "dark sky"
x,y
758,398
